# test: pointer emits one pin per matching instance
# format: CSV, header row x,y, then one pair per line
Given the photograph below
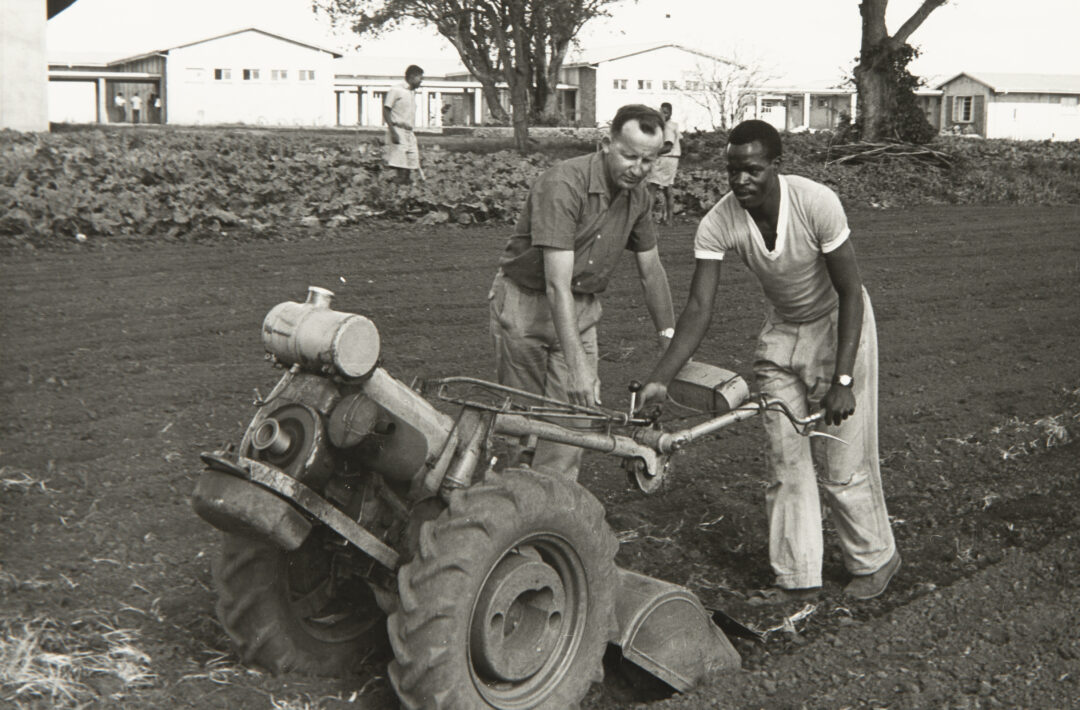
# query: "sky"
x,y
791,41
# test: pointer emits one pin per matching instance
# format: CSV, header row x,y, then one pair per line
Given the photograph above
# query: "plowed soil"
x,y
122,362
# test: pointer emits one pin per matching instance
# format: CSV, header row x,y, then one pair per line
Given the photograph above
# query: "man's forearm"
x,y
658,299
693,323
849,330
561,302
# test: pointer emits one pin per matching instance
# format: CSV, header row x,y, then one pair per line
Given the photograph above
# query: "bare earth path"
x,y
121,364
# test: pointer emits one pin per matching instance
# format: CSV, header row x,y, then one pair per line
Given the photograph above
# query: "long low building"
x,y
254,77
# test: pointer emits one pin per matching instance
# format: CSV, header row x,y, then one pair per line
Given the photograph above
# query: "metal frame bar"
x,y
313,503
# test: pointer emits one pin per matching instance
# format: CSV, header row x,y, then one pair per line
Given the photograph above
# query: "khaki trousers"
x,y
795,361
529,356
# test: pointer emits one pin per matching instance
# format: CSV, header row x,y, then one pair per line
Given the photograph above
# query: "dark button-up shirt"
x,y
571,206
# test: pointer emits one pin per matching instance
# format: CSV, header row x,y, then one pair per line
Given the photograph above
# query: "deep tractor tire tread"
x,y
250,576
438,586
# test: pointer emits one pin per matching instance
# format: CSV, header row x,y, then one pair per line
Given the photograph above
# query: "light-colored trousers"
x,y
405,154
529,356
796,361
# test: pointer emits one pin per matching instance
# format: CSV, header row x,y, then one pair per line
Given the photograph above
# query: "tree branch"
x,y
901,35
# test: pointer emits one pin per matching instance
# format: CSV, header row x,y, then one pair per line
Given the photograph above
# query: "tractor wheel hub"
x,y
518,618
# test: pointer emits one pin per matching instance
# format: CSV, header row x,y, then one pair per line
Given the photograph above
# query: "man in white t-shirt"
x,y
663,175
136,107
120,107
400,150
817,348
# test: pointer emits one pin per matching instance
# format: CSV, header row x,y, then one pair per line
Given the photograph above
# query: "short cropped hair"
x,y
413,70
666,105
761,131
649,119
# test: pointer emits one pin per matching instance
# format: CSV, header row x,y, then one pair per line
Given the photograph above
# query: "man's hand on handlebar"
x,y
838,403
652,396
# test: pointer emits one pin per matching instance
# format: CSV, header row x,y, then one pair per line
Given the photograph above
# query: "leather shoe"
x,y
868,586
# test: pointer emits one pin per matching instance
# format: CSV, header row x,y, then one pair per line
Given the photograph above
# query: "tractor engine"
x,y
376,422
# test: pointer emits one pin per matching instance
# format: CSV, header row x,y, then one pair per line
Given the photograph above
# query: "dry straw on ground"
x,y
69,665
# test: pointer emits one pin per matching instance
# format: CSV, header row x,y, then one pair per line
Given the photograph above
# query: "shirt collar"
x,y
598,178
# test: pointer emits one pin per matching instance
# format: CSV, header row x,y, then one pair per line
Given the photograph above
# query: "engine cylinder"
x,y
317,338
397,431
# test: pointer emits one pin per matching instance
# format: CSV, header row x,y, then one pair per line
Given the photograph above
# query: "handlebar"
x,y
646,432
673,441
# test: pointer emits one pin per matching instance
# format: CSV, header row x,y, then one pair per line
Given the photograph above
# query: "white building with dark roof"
x,y
1017,106
609,77
247,76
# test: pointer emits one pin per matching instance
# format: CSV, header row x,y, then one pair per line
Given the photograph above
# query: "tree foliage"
x,y
886,105
521,43
722,88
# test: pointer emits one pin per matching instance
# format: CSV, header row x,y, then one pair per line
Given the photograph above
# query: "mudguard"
x,y
664,629
226,499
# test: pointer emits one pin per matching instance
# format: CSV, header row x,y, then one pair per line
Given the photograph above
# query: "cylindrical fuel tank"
x,y
320,339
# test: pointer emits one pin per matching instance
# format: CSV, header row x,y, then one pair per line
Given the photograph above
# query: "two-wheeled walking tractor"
x,y
355,509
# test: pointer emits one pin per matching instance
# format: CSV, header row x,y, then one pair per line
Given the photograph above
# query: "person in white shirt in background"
x,y
120,107
663,174
136,107
400,150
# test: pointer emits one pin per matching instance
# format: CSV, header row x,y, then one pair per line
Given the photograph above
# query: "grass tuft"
x,y
11,479
69,665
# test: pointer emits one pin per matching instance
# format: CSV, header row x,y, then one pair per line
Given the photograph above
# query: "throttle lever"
x,y
634,388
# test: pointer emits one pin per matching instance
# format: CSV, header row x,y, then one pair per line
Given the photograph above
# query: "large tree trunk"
x,y
871,77
494,103
519,77
874,98
519,105
872,83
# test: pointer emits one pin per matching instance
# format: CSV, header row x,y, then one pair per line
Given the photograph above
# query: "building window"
x,y
823,103
693,86
251,75
222,74
644,84
962,106
619,84
670,85
1070,101
307,75
279,74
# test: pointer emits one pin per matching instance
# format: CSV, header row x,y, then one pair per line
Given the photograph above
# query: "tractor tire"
x,y
282,611
509,600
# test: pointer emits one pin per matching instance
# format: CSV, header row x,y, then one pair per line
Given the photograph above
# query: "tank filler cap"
x,y
319,297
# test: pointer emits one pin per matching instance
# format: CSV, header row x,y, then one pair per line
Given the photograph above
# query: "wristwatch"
x,y
668,333
843,380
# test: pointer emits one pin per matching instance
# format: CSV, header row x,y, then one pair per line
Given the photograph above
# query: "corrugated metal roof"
x,y
256,29
109,58
596,55
370,65
1023,83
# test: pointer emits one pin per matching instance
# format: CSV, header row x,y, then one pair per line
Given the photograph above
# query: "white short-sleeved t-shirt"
x,y
402,102
793,275
673,134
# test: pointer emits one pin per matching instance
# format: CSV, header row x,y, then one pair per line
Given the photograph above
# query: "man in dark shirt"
x,y
580,216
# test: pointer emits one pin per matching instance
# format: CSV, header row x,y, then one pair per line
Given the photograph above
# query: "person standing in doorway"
x,y
136,107
120,107
581,215
816,349
663,175
400,150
